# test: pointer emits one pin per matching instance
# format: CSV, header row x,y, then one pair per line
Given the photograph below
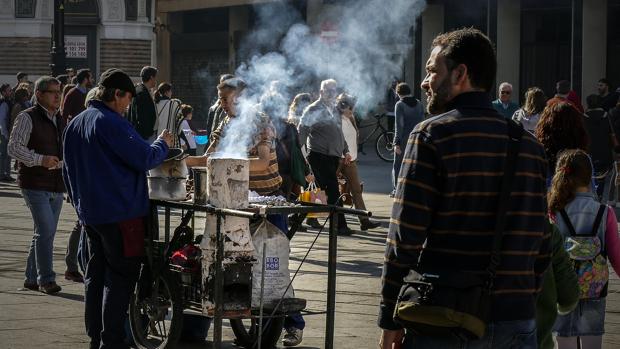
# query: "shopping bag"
x,y
314,195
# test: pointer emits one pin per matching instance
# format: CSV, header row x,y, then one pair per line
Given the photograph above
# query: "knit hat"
x,y
116,78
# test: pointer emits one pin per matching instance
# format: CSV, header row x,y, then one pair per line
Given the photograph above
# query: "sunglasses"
x,y
506,92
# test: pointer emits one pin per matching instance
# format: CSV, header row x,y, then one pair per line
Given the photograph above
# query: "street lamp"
x,y
58,54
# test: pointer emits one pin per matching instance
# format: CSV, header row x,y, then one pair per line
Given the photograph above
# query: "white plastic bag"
x,y
277,277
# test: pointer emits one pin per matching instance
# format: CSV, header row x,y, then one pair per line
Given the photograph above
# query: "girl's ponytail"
x,y
573,169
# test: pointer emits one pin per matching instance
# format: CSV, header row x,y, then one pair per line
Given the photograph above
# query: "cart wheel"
x,y
246,331
156,319
384,146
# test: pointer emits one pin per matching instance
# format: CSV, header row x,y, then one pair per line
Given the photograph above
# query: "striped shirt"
x,y
20,136
446,202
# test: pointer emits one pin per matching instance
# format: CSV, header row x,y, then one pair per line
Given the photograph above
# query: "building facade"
x,y
98,35
539,42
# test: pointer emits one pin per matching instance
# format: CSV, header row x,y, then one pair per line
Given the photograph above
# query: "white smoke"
x,y
373,39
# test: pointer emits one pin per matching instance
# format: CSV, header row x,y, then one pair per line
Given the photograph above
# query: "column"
x,y
594,45
508,46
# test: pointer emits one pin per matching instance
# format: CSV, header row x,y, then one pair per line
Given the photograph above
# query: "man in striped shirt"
x,y
447,197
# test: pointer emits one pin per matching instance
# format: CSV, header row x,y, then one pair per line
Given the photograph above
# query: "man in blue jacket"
x,y
105,173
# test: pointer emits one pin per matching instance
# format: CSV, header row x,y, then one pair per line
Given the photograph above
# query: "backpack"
x,y
589,258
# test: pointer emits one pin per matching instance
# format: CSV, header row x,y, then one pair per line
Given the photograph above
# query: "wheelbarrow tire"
x,y
248,338
140,326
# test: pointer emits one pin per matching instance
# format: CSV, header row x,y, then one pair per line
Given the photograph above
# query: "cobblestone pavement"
x,y
34,320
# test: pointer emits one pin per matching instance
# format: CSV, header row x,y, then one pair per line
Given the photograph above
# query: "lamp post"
x,y
58,54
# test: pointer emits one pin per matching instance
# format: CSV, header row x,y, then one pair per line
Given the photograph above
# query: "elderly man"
x,y
444,215
36,144
504,104
320,128
105,170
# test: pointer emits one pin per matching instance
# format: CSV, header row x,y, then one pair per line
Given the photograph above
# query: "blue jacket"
x,y
105,164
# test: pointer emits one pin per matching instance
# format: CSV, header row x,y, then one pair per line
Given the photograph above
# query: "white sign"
x,y
75,46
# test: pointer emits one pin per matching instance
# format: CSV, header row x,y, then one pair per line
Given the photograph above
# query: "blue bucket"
x,y
204,139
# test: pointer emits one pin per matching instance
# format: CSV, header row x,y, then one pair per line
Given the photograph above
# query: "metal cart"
x,y
165,292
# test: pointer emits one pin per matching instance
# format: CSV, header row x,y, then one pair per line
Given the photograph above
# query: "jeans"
x,y
45,208
71,256
605,187
398,161
354,186
325,168
109,282
502,334
5,160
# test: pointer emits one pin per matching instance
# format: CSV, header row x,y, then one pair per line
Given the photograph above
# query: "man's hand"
x,y
391,339
397,150
49,161
310,178
167,137
347,158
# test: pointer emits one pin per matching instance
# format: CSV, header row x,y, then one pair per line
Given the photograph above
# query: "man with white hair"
x,y
320,128
503,104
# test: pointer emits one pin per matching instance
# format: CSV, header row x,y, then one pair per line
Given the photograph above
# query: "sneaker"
x,y
292,337
313,223
50,288
33,286
368,224
345,231
74,276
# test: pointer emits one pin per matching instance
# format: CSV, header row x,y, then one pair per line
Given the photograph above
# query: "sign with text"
x,y
76,46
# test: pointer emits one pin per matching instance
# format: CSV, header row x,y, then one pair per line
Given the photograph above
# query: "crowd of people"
x,y
95,140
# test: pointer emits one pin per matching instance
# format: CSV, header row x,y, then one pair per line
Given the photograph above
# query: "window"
x,y
25,8
131,10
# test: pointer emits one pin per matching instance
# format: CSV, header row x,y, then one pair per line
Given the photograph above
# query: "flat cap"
x,y
116,78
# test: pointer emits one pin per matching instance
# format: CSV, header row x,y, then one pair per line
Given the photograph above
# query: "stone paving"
x,y
33,320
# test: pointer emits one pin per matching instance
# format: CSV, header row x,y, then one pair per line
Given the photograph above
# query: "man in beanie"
x,y
105,170
36,144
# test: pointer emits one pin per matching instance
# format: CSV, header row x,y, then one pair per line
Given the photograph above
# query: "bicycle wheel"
x,y
384,145
246,332
156,319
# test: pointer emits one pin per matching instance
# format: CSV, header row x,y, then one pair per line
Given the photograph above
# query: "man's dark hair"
x,y
82,74
403,89
20,75
563,87
594,101
63,78
472,48
3,87
107,94
605,81
225,77
147,73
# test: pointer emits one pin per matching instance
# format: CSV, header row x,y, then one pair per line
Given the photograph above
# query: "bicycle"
x,y
384,143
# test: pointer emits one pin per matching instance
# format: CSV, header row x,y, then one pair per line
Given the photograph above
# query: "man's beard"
x,y
437,104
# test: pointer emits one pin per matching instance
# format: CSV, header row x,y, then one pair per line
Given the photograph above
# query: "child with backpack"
x,y
590,233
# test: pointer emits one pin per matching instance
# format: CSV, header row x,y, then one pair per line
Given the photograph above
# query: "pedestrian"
x,y
73,101
20,103
296,109
590,233
186,133
168,110
320,128
610,98
504,104
408,113
21,77
391,97
446,202
599,128
559,292
36,143
529,114
345,105
563,91
561,127
142,114
5,131
104,156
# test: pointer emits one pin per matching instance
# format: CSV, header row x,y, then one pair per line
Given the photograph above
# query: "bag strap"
x,y
598,219
569,224
515,134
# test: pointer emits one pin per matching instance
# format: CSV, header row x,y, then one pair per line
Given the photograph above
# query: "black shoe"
x,y
345,231
50,288
313,223
368,224
31,286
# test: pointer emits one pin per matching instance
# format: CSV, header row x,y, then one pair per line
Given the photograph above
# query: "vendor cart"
x,y
165,292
